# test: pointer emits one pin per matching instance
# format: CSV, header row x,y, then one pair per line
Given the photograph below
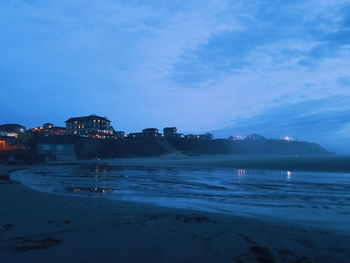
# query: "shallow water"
x,y
311,198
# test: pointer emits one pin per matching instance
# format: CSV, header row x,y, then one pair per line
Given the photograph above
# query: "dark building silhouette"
x,y
55,148
135,135
48,129
171,132
207,136
56,151
190,136
10,144
151,132
90,126
12,130
119,134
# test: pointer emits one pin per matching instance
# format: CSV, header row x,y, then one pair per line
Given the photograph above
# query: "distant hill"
x,y
248,147
147,146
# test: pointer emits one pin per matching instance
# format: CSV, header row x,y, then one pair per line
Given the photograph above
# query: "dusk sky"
x,y
273,67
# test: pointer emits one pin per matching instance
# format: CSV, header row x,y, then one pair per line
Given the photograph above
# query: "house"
x,y
48,129
90,126
119,134
190,136
3,145
11,144
56,151
12,130
171,132
135,135
151,132
207,136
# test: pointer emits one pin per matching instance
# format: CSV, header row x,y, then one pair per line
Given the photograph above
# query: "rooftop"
x,y
88,117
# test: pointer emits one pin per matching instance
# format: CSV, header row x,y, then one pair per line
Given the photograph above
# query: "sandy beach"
x,y
40,227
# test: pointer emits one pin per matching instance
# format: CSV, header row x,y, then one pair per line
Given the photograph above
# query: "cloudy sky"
x,y
273,67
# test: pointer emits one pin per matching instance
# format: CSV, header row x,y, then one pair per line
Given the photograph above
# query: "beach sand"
x,y
41,227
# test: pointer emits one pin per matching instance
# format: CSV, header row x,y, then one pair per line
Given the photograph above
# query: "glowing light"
x,y
287,138
2,145
240,172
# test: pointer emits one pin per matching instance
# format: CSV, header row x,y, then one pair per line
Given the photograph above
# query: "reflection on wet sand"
x,y
78,190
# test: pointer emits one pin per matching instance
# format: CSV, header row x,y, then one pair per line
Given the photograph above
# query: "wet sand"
x,y
40,227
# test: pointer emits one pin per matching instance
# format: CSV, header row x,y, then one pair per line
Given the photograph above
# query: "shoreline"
x,y
43,227
325,164
339,164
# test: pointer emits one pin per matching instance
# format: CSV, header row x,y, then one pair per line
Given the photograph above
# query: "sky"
x,y
231,67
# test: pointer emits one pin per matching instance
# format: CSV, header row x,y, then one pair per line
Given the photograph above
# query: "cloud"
x,y
269,34
194,64
325,121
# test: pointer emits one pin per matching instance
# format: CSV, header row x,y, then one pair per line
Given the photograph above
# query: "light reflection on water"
x,y
306,197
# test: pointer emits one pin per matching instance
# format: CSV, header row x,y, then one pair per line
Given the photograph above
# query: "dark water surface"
x,y
311,198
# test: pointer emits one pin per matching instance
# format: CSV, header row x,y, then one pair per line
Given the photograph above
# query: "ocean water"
x,y
309,198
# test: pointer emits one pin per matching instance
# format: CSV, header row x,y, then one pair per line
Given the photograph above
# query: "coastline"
x,y
339,164
41,227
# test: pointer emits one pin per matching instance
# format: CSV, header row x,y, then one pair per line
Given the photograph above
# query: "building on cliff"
x,y
171,132
11,130
151,132
90,126
48,129
207,136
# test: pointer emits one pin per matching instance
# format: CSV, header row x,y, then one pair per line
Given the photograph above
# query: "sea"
x,y
315,199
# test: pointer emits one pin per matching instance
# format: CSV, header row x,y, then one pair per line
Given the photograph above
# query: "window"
x,y
59,147
45,147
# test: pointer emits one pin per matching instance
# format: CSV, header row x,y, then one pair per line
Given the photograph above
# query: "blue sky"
x,y
232,67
